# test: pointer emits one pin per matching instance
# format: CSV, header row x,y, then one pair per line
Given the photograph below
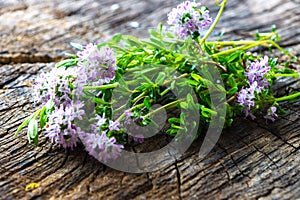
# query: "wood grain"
x,y
252,160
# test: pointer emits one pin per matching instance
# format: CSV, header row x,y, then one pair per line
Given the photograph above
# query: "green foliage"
x,y
32,132
67,63
149,70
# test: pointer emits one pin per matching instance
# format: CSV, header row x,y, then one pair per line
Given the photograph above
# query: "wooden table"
x,y
252,160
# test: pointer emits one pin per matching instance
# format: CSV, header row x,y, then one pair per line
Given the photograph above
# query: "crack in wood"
x,y
276,133
28,58
178,179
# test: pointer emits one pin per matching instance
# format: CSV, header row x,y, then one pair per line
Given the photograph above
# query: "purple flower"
x,y
100,120
257,81
78,111
246,98
55,85
189,18
98,66
271,115
128,113
60,127
114,125
100,146
257,71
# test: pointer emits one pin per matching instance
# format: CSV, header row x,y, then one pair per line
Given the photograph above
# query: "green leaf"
x,y
257,36
147,79
118,48
25,123
179,58
76,46
170,35
67,63
221,88
107,95
159,43
173,84
154,33
43,117
235,57
176,126
184,105
232,90
117,38
100,101
196,77
273,27
152,44
172,132
160,78
231,81
206,112
147,103
123,85
208,49
32,132
189,99
192,82
133,41
159,27
174,120
70,55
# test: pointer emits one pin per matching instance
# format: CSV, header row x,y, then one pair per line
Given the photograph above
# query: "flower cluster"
x,y
246,98
100,146
97,144
98,66
55,86
256,73
258,82
189,18
53,89
60,91
60,127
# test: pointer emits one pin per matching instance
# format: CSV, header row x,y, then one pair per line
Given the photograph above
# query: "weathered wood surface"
x,y
252,160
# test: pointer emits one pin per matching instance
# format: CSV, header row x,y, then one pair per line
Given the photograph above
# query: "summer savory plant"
x,y
82,88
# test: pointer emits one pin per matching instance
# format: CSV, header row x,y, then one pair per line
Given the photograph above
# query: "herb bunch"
x,y
124,78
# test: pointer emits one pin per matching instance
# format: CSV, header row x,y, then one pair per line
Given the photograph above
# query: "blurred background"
x,y
45,28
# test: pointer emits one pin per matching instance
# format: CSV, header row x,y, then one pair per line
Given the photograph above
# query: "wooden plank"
x,y
252,160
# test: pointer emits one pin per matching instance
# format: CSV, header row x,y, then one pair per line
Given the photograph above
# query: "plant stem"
x,y
131,109
289,97
287,75
101,87
248,44
231,99
175,79
236,49
217,64
120,108
231,43
282,50
142,95
211,28
163,107
38,112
